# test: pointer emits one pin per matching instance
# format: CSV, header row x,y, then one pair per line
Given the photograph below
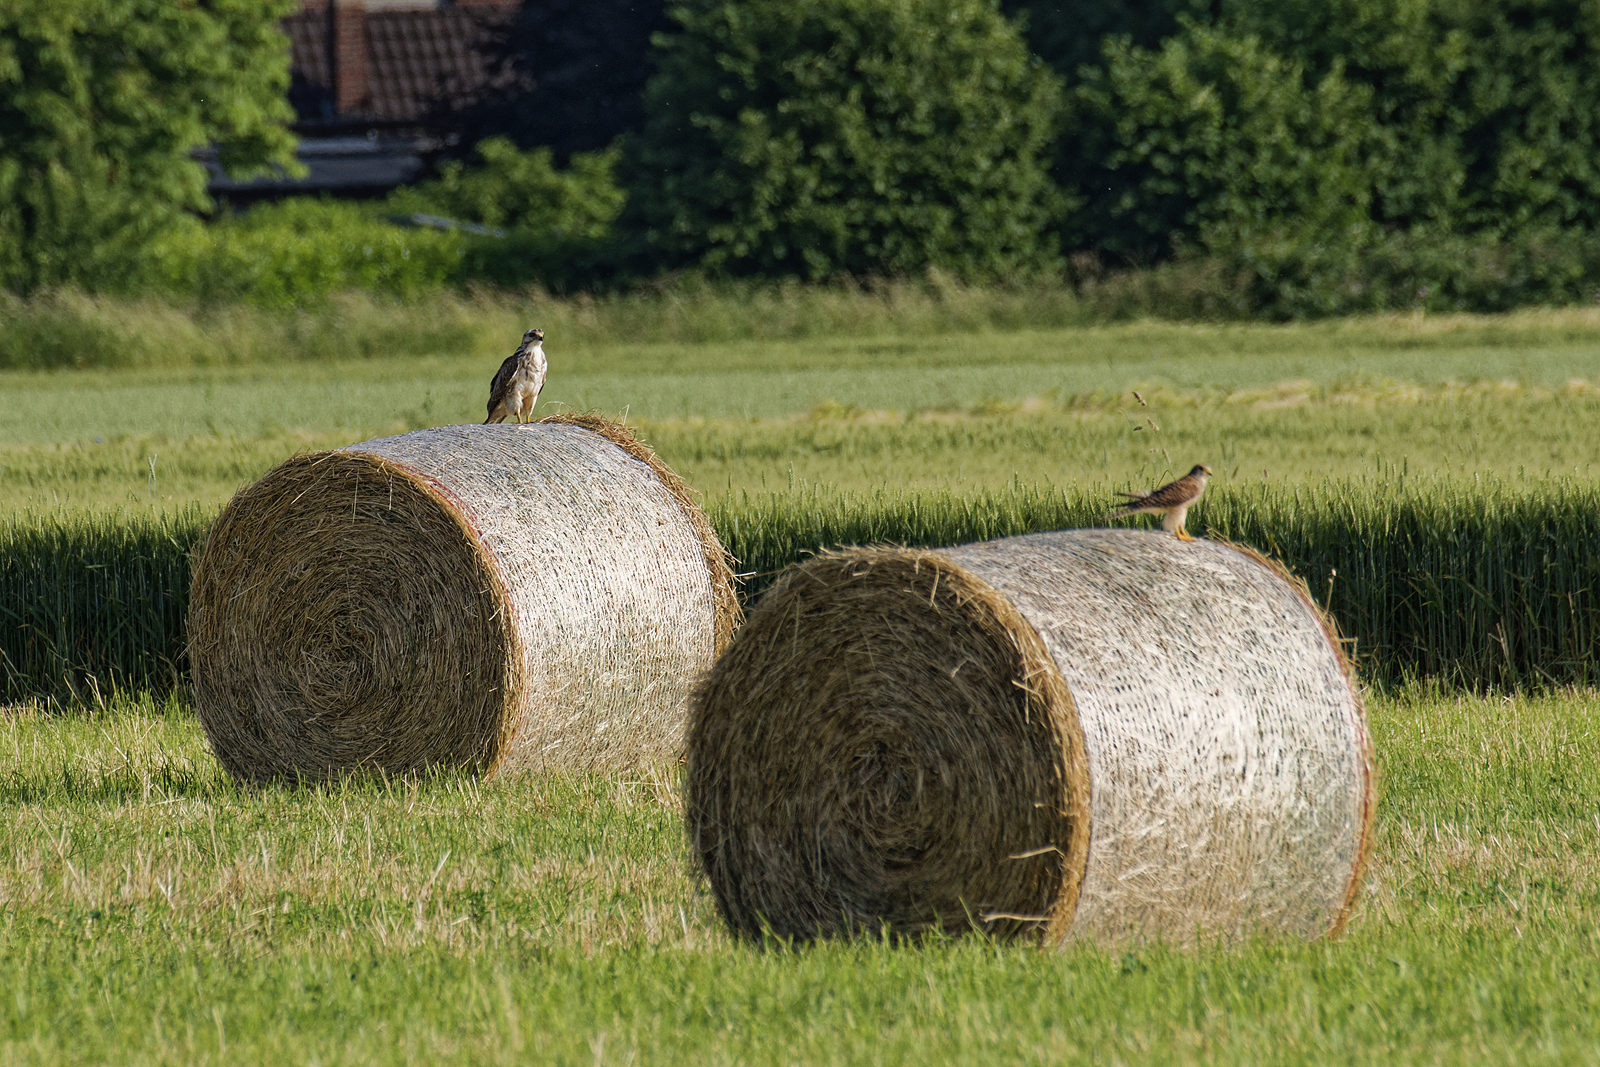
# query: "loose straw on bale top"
x,y
485,597
1088,734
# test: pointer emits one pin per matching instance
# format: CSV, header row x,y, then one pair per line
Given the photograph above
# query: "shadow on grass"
x,y
157,784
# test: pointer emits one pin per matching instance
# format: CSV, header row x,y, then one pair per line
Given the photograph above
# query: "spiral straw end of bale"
x,y
476,597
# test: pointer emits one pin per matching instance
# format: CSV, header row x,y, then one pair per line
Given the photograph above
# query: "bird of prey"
x,y
516,384
1171,501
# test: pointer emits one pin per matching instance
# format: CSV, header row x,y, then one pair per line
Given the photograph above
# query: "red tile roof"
x,y
412,60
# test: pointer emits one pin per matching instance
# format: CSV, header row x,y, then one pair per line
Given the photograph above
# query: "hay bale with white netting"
x,y
1102,734
484,597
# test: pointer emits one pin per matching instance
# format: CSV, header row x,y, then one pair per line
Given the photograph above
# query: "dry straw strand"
x,y
1185,756
490,598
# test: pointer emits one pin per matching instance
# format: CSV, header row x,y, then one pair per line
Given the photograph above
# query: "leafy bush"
x,y
101,104
810,137
301,250
1212,134
1483,116
296,252
1069,34
1333,143
559,222
1288,276
523,191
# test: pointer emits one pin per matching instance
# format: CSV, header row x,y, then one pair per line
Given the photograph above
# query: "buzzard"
x,y
1170,501
516,384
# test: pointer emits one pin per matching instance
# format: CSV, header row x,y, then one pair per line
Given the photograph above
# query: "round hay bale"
x,y
484,597
1103,734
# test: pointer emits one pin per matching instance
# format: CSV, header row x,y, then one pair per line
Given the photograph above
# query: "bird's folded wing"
x,y
502,379
1172,494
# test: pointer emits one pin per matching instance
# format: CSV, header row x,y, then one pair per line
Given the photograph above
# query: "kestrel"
x,y
1171,501
516,384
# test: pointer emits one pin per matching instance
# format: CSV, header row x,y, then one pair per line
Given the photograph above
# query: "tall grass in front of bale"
x,y
1481,584
92,605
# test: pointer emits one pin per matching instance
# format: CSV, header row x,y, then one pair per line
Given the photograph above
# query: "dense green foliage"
x,y
1285,274
299,252
547,225
1069,34
101,104
558,223
815,137
1483,116
1242,157
1338,154
1211,136
523,191
158,914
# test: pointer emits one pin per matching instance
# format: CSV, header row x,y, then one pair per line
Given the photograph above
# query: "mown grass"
x,y
963,410
1287,432
153,912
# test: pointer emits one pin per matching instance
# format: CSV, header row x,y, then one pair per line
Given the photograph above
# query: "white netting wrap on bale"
x,y
1099,734
487,597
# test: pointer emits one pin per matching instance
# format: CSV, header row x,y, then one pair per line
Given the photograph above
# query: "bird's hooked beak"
x,y
533,336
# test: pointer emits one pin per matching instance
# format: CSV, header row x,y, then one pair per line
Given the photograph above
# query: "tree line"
x,y
1319,155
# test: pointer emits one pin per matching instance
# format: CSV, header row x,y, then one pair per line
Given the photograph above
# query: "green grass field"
x,y
1285,434
960,411
153,912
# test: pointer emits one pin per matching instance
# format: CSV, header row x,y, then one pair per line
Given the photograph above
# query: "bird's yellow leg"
x,y
1184,535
